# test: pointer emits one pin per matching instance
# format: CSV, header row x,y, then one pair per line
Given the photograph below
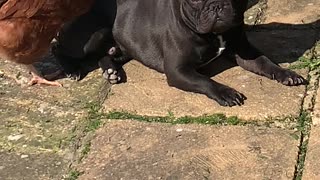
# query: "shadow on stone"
x,y
49,64
282,43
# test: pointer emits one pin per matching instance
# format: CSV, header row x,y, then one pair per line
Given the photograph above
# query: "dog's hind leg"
x,y
71,66
98,40
262,65
265,67
249,58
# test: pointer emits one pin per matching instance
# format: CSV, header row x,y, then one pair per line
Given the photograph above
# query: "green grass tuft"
x,y
310,60
73,175
126,115
304,125
94,117
304,62
216,119
85,151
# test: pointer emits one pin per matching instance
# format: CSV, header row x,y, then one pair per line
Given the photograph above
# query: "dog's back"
x,y
144,28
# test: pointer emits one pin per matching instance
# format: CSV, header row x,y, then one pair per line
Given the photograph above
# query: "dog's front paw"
x,y
226,96
112,76
289,78
111,71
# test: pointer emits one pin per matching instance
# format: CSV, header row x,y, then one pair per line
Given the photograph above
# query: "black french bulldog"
x,y
178,37
175,37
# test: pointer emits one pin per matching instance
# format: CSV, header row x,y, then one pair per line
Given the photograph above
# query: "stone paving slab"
x,y
312,163
254,12
292,11
146,93
40,116
39,121
45,166
131,150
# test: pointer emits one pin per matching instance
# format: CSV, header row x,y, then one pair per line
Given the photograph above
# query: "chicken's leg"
x,y
37,79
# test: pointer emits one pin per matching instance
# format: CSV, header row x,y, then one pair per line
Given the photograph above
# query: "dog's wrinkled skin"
x,y
212,16
177,37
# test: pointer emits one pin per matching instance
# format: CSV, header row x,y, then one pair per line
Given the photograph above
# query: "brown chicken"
x,y
27,28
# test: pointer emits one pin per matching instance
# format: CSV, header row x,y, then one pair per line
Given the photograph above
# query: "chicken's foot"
x,y
37,79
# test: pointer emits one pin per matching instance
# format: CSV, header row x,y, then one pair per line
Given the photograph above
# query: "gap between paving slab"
x,y
134,150
312,163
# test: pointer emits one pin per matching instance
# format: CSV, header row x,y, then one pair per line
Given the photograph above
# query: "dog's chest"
x,y
216,47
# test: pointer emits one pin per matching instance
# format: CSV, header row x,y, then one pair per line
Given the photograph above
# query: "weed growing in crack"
x,y
305,62
94,117
85,151
126,115
310,60
80,144
73,175
304,125
216,119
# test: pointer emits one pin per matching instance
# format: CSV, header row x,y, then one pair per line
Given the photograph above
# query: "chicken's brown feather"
x,y
26,9
28,26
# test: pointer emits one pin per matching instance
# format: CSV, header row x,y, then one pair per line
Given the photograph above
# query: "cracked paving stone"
x,y
135,150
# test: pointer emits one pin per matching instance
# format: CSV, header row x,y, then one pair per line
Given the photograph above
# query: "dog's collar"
x,y
222,47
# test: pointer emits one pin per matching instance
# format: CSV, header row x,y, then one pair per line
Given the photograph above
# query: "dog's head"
x,y
213,16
